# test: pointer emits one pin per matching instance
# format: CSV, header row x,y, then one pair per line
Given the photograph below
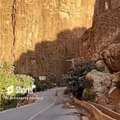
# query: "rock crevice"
x,y
53,26
14,18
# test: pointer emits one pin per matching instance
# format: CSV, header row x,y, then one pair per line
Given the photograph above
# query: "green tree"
x,y
7,79
77,81
52,78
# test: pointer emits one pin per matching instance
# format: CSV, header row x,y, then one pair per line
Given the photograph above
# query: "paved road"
x,y
50,108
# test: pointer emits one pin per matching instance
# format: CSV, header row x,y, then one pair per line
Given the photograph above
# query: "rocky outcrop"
x,y
39,36
114,94
26,23
102,41
102,66
101,85
101,81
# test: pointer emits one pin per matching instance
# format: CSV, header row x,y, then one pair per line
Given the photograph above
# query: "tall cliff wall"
x,y
39,35
102,41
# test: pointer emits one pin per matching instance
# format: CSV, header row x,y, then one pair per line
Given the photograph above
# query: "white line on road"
x,y
44,109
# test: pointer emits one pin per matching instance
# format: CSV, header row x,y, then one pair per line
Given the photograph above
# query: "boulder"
x,y
102,66
114,94
112,57
102,81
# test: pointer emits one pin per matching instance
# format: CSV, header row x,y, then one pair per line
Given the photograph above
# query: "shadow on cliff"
x,y
51,56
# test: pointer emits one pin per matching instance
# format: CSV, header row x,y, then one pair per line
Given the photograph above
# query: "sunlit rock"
x,y
101,82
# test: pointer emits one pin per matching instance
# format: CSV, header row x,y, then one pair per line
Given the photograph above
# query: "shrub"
x,y
52,79
90,96
24,81
7,79
6,103
50,82
77,81
83,68
43,85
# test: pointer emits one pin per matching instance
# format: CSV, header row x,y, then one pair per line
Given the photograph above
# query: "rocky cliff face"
x,y
39,35
102,41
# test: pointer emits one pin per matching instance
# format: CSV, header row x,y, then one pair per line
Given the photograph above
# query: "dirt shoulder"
x,y
29,99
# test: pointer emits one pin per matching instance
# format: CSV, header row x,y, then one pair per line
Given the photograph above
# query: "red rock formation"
x,y
102,41
39,36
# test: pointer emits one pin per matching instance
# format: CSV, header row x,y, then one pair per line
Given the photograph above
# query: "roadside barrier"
x,y
99,115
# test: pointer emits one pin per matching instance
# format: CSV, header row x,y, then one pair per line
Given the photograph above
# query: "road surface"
x,y
50,108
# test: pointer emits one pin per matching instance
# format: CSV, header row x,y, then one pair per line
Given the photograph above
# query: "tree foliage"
x,y
52,78
77,81
50,82
8,78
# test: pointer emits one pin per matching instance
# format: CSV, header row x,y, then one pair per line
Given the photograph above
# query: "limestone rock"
x,y
39,35
101,81
102,66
